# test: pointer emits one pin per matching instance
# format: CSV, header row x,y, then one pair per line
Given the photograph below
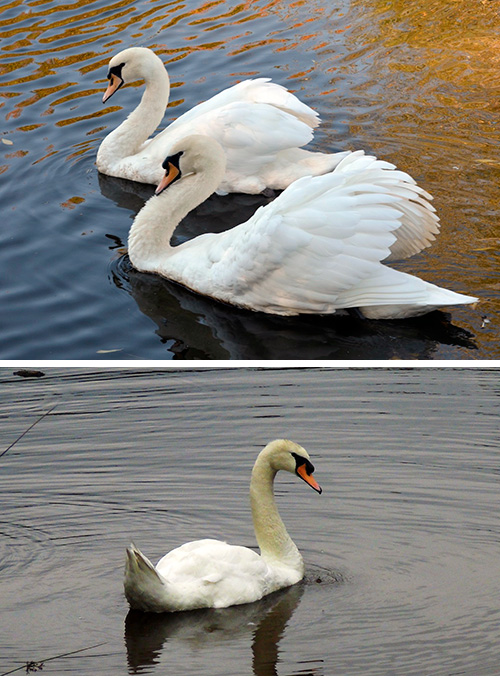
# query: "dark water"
x,y
417,86
401,549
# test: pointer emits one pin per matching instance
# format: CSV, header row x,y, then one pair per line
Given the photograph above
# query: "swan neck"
x,y
127,138
149,238
273,539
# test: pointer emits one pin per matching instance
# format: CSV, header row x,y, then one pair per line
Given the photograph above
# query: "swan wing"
x,y
256,91
210,561
314,249
419,221
253,134
253,138
211,573
256,120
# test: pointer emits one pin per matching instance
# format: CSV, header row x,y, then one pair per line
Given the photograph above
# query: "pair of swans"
x,y
260,125
213,574
317,248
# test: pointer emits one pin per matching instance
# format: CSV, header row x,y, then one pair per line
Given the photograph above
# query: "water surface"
x,y
401,549
417,86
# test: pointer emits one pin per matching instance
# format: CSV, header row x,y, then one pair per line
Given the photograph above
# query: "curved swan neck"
x,y
128,137
272,537
149,237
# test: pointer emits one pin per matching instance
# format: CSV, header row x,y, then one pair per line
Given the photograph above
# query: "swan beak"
x,y
171,175
115,82
301,471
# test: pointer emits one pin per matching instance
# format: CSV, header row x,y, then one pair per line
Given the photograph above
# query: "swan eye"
x,y
172,160
304,469
302,461
116,71
115,81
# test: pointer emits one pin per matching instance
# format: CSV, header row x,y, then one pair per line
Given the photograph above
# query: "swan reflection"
x,y
263,623
197,328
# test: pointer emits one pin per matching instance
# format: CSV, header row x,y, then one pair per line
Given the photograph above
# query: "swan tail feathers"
x,y
394,294
137,562
145,588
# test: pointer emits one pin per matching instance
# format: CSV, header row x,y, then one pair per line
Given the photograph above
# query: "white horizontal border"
x,y
263,364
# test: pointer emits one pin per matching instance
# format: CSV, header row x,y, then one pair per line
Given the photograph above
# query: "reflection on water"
x,y
46,43
261,624
408,461
414,84
430,74
230,333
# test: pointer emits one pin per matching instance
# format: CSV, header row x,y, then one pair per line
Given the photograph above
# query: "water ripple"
x,y
371,81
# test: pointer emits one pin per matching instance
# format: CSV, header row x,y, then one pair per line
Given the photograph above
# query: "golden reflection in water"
x,y
48,40
438,62
420,87
415,83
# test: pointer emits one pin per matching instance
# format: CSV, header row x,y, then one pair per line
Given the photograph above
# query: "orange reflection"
x,y
49,41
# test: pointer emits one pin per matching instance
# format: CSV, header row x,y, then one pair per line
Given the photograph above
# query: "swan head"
x,y
133,63
194,154
285,455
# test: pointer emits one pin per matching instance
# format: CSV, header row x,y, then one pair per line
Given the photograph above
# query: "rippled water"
x,y
416,85
401,548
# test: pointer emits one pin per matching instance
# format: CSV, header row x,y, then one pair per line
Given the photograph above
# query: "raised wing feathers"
x,y
251,136
320,237
256,91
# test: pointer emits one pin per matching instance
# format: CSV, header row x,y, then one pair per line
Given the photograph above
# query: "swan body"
x,y
318,247
213,574
260,125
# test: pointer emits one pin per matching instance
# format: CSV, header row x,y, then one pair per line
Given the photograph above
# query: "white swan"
x,y
316,248
260,125
211,573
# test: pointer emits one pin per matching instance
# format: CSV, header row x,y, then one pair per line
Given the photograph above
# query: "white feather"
x,y
318,247
260,125
262,128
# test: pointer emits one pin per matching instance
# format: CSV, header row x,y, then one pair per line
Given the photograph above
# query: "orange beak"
x,y
114,83
171,175
301,471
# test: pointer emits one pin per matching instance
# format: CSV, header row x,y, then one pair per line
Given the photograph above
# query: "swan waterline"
x,y
317,248
261,126
213,574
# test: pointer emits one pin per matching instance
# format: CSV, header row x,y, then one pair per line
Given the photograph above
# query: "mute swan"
x,y
260,125
316,248
211,573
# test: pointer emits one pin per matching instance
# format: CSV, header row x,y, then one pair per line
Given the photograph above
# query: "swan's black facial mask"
x,y
115,81
172,172
304,469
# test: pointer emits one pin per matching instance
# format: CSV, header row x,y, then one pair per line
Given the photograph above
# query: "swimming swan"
x,y
260,125
211,573
316,248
